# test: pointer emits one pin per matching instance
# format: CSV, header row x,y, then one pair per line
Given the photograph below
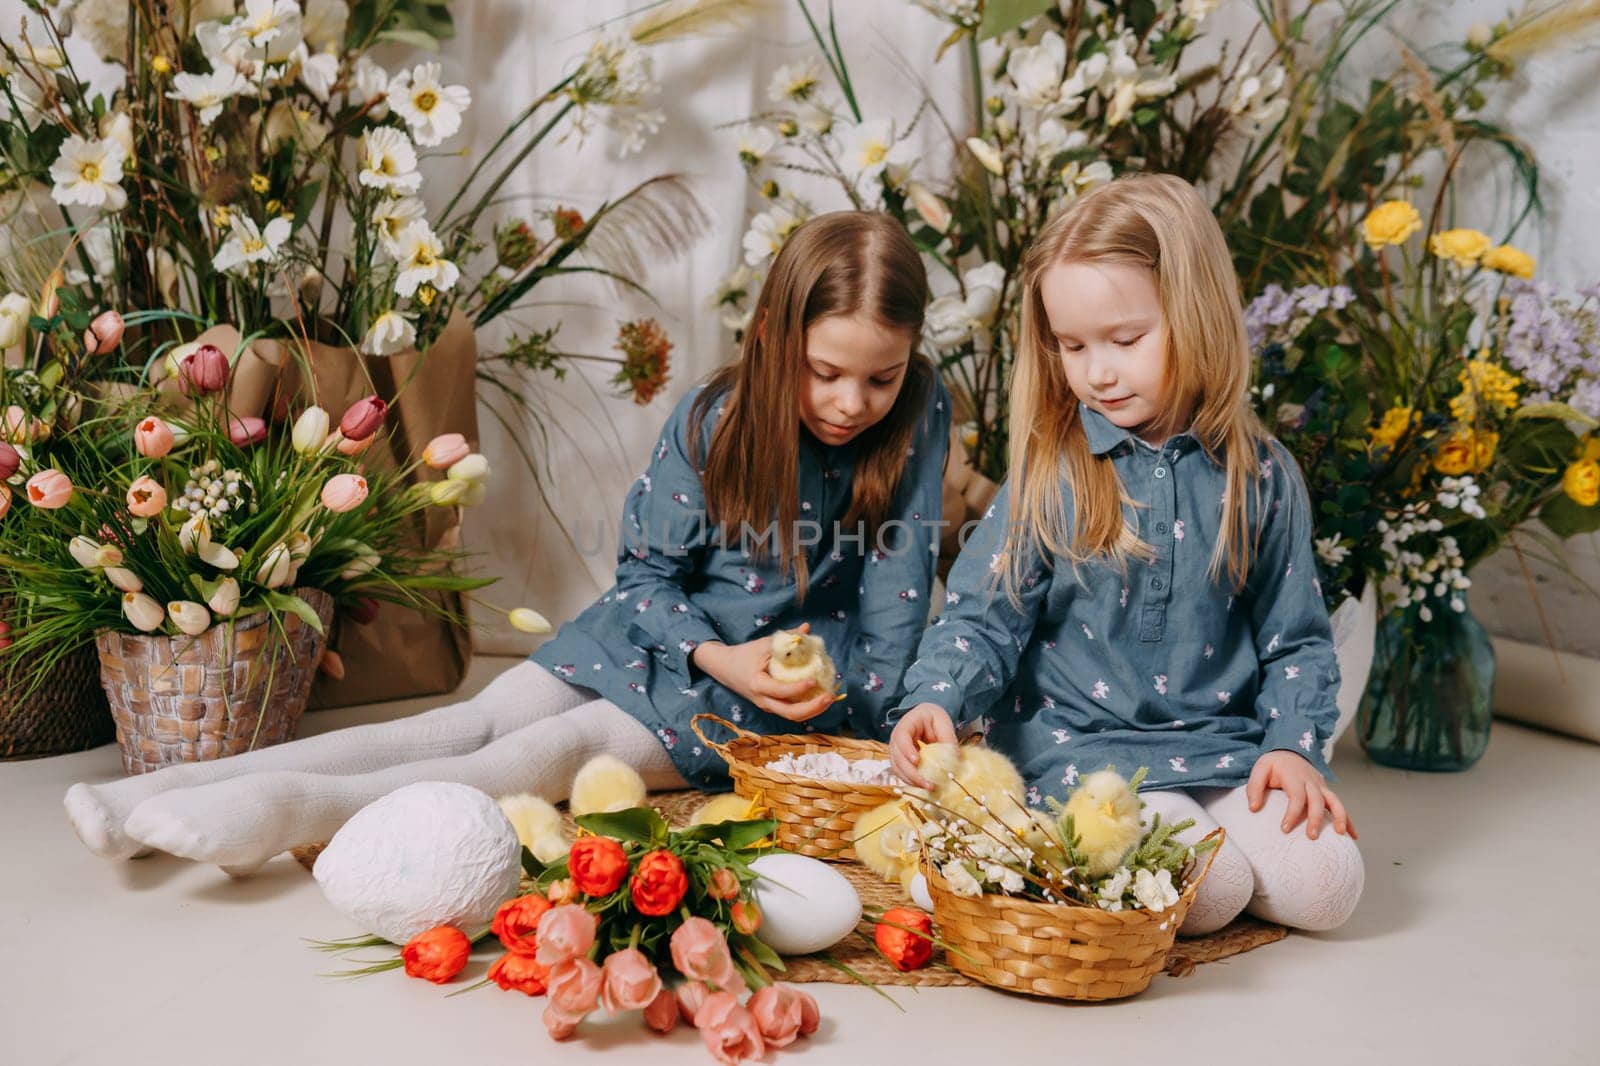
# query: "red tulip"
x,y
204,370
363,418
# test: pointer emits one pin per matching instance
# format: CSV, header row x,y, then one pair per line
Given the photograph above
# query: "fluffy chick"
x,y
728,807
886,843
606,783
977,783
538,825
800,656
1105,814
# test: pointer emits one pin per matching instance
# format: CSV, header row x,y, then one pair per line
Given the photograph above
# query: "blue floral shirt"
x,y
1159,667
680,584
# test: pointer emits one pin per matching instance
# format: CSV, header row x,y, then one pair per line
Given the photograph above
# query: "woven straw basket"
x,y
815,818
1062,951
67,712
235,687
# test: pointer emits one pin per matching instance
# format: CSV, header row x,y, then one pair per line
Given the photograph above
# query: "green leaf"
x,y
1566,517
531,865
734,836
643,824
1563,411
1002,16
285,601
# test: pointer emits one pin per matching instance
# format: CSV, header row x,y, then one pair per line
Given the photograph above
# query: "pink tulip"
x,y
701,954
50,489
559,1024
5,500
344,492
353,447
204,370
446,450
153,438
9,460
631,982
247,430
691,996
103,334
146,497
565,932
729,1030
779,1013
574,985
16,424
662,1013
363,418
810,1016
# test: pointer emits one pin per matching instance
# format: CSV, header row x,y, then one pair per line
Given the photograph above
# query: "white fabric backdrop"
x,y
507,51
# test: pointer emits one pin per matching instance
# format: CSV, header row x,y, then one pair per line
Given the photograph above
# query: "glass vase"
x,y
1427,704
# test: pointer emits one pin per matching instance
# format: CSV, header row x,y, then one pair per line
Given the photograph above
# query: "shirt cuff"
x,y
949,699
1296,732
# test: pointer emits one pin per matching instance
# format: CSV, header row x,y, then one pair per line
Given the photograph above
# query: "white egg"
x,y
432,853
919,892
806,905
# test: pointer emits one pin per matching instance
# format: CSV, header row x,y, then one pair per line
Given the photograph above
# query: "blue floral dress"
x,y
1159,667
679,584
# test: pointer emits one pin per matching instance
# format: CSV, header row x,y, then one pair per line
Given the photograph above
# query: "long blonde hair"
x,y
843,263
1159,222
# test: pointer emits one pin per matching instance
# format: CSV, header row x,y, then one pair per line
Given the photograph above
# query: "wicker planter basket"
x,y
67,712
1062,951
233,688
815,818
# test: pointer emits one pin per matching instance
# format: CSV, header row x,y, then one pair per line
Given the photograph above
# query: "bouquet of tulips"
x,y
157,519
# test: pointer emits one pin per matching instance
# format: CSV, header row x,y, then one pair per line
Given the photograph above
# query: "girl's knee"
x,y
1315,886
1223,895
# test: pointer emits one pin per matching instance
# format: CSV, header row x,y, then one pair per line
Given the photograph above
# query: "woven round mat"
x,y
856,958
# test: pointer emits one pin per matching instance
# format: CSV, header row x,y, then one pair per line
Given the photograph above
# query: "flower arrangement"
x,y
631,906
1091,851
253,164
172,520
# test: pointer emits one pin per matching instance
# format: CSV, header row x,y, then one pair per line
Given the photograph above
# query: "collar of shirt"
x,y
1105,435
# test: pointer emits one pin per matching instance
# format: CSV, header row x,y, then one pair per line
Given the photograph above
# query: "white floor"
x,y
1475,943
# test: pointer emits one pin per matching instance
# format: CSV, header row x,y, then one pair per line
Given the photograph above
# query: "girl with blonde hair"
x,y
1143,591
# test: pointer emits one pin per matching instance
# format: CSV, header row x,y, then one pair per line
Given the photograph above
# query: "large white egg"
x,y
432,853
806,905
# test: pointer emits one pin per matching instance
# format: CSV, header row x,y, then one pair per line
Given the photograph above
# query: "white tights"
x,y
1281,877
528,731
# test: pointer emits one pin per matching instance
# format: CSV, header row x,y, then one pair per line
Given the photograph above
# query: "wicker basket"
x,y
67,712
1062,951
235,687
815,818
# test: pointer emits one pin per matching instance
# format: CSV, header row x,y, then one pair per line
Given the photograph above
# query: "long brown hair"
x,y
1159,222
844,263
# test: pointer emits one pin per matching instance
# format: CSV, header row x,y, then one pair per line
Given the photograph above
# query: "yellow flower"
x,y
1396,421
1484,382
259,182
1582,482
1468,451
1509,260
1390,223
1591,448
160,64
1464,246
221,217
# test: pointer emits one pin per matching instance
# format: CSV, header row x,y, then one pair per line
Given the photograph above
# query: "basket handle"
x,y
1193,883
720,749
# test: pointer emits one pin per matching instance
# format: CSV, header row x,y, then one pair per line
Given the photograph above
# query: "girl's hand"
x,y
925,723
1309,795
743,668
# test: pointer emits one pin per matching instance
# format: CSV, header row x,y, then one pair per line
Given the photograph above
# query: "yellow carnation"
x,y
1467,452
1396,421
1464,246
1390,222
1582,482
1509,260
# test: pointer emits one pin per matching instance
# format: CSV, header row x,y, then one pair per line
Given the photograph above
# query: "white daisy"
x,y
419,260
318,71
391,332
89,173
431,108
755,143
870,149
388,161
206,93
767,233
794,81
370,86
270,29
324,24
393,215
250,244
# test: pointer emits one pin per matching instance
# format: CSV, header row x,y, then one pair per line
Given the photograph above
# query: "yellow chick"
x,y
967,780
1105,814
606,783
800,656
729,807
886,843
538,825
